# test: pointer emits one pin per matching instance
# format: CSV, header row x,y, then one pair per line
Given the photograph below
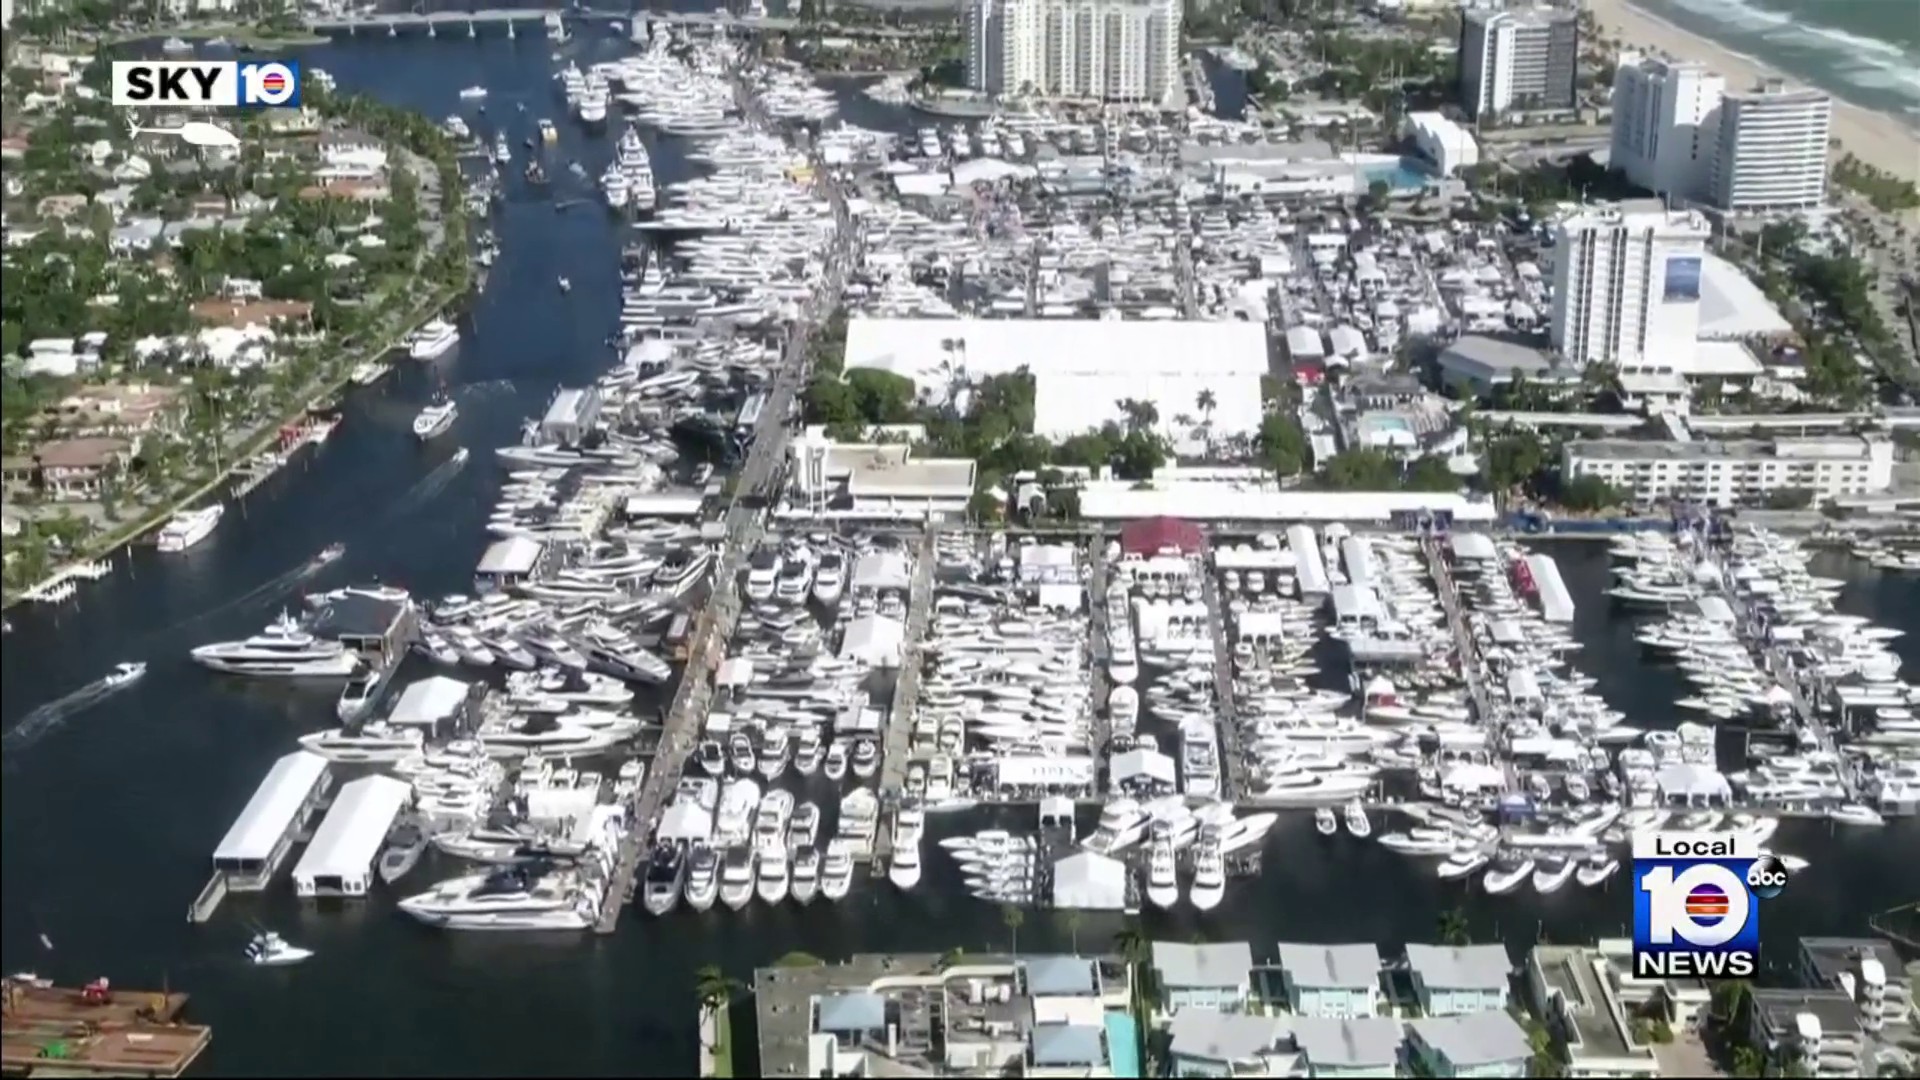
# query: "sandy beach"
x,y
1875,138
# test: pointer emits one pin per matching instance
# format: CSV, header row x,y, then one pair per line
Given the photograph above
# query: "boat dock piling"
x,y
1467,654
1224,707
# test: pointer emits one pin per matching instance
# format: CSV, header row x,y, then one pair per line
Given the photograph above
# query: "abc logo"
x,y
1767,876
271,83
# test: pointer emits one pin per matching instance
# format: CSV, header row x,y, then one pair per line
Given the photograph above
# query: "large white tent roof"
x,y
1082,368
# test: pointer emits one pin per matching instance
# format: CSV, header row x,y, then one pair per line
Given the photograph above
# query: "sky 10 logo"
x,y
1696,911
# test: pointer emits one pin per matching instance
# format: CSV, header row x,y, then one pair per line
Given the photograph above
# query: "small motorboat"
x,y
330,553
1596,869
565,285
124,673
404,849
1553,872
1325,821
269,949
1357,821
1855,814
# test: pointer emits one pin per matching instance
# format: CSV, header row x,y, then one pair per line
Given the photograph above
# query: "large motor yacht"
x,y
433,340
521,897
189,527
284,650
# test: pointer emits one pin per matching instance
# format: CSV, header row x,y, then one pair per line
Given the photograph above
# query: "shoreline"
x,y
1879,139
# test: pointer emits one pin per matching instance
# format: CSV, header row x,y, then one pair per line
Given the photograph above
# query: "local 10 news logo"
x,y
224,84
1696,910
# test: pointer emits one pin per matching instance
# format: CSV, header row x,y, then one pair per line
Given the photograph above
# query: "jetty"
x,y
744,526
1466,652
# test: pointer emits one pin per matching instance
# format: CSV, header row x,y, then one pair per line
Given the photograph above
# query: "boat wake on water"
x,y
430,485
269,590
47,718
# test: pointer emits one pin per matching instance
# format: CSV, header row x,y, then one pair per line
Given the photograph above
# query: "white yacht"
x,y
435,419
370,744
736,877
1552,873
520,897
433,340
285,650
1325,821
836,871
1357,821
189,527
806,873
703,878
1507,875
904,871
830,578
613,184
773,881
1595,869
1163,882
1209,873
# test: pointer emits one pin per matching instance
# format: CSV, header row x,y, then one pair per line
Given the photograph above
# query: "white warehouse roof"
x,y
1082,368
1732,306
268,815
348,840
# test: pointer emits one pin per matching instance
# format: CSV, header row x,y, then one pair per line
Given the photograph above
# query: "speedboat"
x,y
1357,821
703,878
269,949
1209,873
830,578
773,882
1326,821
736,878
123,673
1595,869
1505,877
836,763
904,871
664,881
1855,814
1163,883
806,874
1553,872
836,871
1463,864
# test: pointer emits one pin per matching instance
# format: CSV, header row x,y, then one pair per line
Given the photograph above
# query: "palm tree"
x,y
1545,1060
714,987
1073,929
1206,402
1013,917
1729,1002
1453,928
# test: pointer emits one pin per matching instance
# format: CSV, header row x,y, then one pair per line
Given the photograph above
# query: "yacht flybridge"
x,y
433,340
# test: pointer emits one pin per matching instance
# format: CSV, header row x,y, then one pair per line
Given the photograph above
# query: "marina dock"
x,y
745,526
1228,718
1471,669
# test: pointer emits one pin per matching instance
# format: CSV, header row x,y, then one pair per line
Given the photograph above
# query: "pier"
x,y
745,525
1097,640
1225,711
1467,653
96,1031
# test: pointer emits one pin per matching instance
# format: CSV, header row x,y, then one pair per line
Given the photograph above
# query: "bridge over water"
x,y
512,18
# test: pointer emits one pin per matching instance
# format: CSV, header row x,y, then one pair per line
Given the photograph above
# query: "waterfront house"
x,y
1485,1044
1215,976
217,311
1202,1042
115,410
349,153
1360,1046
1331,980
1454,980
74,470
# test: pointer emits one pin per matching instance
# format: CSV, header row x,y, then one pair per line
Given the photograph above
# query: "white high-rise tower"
x,y
1626,284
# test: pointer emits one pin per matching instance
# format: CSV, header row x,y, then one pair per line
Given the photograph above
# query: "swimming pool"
x,y
1409,174
1385,422
1123,1045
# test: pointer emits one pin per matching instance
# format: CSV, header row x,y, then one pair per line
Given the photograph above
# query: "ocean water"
x,y
1864,51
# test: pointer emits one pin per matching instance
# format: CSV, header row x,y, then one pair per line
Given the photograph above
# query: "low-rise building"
x,y
1734,472
1214,976
1331,980
74,470
1453,980
1448,145
1817,1030
1477,1044
1575,990
1866,969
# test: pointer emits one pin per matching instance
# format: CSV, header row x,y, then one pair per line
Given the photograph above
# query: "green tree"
x,y
1587,494
1283,446
1453,927
1013,918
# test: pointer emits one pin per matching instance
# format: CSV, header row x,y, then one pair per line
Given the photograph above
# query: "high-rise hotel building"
x,y
1121,51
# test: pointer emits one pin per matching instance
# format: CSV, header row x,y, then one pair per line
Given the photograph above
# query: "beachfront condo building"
x,y
1771,150
1520,60
1665,124
1120,51
1626,284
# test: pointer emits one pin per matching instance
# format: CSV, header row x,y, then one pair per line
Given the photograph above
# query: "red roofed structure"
x,y
1151,536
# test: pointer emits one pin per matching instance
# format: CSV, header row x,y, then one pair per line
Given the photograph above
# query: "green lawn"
x,y
723,1044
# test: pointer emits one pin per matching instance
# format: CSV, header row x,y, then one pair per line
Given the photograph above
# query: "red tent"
x,y
1153,535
